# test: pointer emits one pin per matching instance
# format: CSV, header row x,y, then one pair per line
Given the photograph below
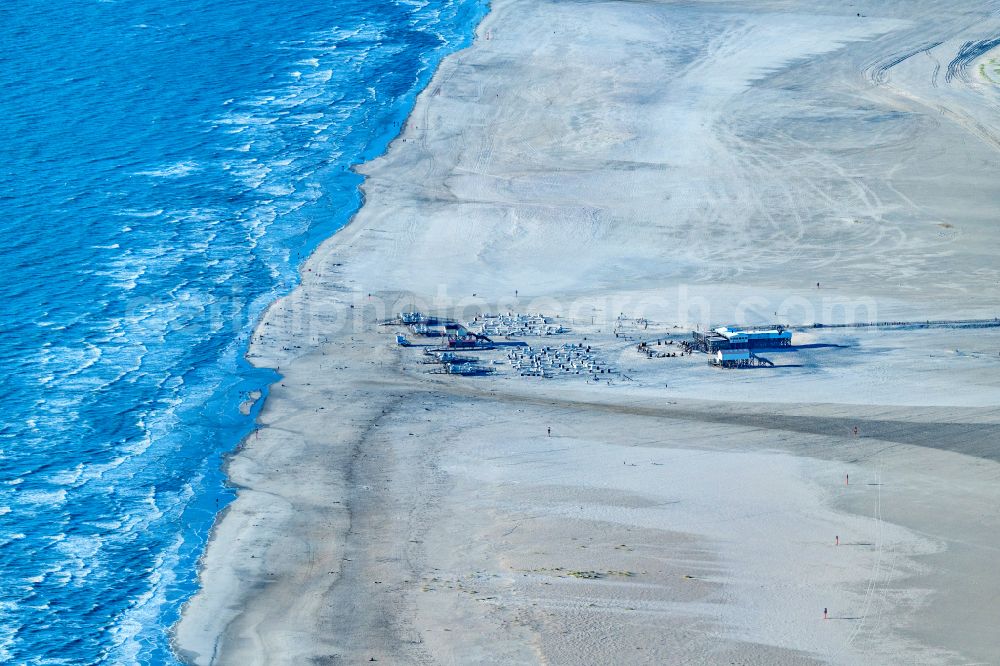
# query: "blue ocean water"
x,y
166,165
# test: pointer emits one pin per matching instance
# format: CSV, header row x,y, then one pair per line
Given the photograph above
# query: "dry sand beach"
x,y
644,169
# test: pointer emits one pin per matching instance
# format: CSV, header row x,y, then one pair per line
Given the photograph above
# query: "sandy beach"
x,y
636,171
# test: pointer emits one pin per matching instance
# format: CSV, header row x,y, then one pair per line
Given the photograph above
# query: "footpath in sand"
x,y
684,164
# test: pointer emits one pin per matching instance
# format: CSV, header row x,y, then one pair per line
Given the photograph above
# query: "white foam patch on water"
x,y
120,360
321,76
43,498
278,189
176,170
80,554
124,272
98,470
131,212
67,477
252,173
86,358
304,118
66,366
248,119
138,447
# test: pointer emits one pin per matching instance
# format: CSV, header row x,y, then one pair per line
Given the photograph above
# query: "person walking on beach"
x,y
549,430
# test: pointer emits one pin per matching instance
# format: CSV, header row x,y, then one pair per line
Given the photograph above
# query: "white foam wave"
x,y
132,212
176,170
47,498
96,471
85,358
278,189
80,553
322,76
126,273
247,119
80,547
305,118
67,477
252,173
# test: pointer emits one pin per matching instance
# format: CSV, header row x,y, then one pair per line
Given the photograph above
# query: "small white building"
x,y
728,358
